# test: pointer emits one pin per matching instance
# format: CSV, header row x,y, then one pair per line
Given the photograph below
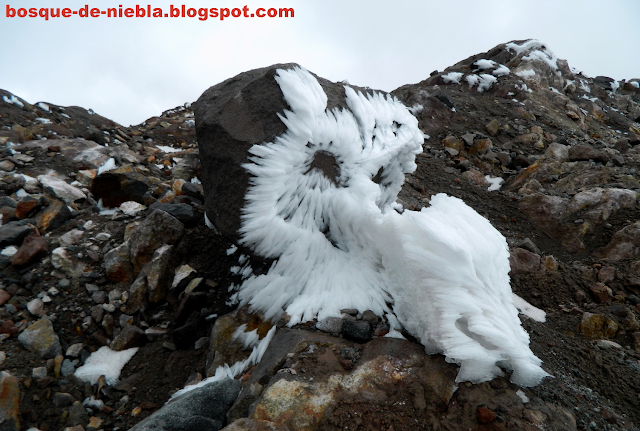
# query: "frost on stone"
x,y
526,74
502,70
321,203
485,64
483,81
452,77
537,51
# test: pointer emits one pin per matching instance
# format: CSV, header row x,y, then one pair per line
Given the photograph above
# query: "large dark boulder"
x,y
200,409
231,117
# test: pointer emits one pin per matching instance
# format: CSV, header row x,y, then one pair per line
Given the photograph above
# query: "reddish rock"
x,y
8,327
485,415
9,402
453,142
25,206
33,248
52,217
600,292
131,336
607,274
523,261
117,264
481,146
493,127
4,296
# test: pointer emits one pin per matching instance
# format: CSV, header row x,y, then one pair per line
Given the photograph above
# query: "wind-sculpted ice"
x,y
322,203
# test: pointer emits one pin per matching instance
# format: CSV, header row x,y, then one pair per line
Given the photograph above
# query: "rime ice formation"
x,y
321,202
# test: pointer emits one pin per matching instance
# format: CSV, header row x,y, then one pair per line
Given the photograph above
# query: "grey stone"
x,y
40,338
39,373
158,229
202,408
78,415
74,350
99,297
62,399
370,317
358,331
332,325
182,212
67,368
14,232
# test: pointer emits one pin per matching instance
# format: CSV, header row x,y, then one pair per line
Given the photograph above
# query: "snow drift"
x,y
322,202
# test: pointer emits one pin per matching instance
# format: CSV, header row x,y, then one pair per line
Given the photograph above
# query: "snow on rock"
x,y
312,200
104,362
321,202
452,77
485,64
107,166
525,74
13,100
502,70
483,81
59,188
495,183
537,52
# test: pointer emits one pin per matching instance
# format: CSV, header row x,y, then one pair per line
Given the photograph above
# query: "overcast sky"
x,y
130,69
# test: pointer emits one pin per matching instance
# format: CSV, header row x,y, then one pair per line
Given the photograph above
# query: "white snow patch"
x,y
231,249
104,362
445,268
21,193
525,74
395,334
614,86
518,49
43,120
494,183
555,90
522,396
483,81
538,52
452,77
635,84
107,166
167,149
529,310
195,180
501,71
104,211
230,372
43,106
65,115
485,64
13,100
584,85
9,251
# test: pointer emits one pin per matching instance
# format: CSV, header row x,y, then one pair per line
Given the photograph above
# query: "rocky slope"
x,y
152,275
